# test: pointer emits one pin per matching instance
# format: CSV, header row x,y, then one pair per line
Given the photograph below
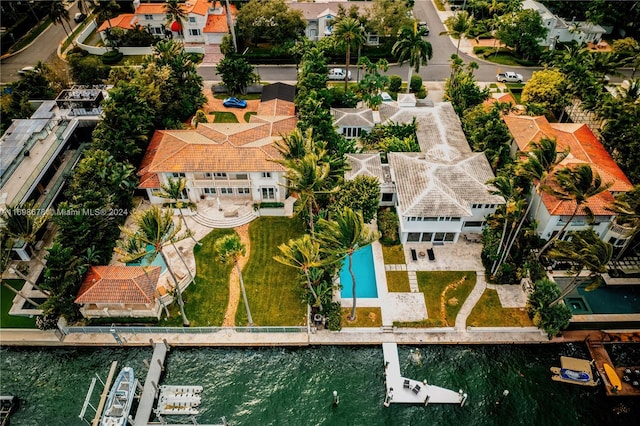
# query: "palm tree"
x,y
505,186
343,236
350,34
174,12
59,15
303,254
295,145
460,24
577,185
627,209
23,222
155,229
306,177
231,249
411,47
540,162
175,190
586,250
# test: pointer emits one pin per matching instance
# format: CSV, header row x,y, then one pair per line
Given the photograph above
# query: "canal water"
x,y
293,386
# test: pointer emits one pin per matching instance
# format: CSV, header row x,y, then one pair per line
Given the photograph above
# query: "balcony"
x,y
221,183
623,231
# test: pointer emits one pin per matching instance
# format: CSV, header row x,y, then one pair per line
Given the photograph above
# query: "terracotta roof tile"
x,y
119,284
126,21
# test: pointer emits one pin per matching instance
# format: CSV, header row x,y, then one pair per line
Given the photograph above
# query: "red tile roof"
x,y
217,23
584,149
197,7
126,21
119,284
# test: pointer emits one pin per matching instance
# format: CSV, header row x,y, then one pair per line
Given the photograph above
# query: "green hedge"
x,y
112,57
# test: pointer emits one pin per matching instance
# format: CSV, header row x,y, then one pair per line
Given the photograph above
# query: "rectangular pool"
x,y
365,273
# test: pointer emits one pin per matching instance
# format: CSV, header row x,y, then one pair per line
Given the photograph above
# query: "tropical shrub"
x,y
112,57
388,226
395,82
416,83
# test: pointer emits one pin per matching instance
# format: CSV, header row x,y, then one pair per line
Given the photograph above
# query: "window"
x,y
427,236
351,132
413,237
268,193
449,236
194,32
192,19
226,191
473,224
266,174
241,176
439,236
156,30
208,175
431,219
476,206
455,219
387,196
178,175
242,191
220,175
210,191
148,17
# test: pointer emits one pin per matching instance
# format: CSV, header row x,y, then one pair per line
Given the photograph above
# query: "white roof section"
x,y
364,165
353,117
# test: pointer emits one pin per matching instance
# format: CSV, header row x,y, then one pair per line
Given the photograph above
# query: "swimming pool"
x,y
365,275
158,261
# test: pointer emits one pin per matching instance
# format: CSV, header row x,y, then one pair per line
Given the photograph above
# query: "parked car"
x,y
79,17
509,77
26,70
424,27
234,103
338,74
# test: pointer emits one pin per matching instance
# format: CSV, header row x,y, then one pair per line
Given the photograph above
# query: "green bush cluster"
x,y
112,57
395,82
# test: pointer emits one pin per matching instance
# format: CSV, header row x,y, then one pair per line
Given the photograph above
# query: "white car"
x,y
26,70
338,74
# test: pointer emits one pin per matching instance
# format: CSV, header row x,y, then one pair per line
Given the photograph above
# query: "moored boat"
x,y
120,398
579,376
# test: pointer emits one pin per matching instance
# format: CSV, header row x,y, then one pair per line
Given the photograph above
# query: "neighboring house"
x,y
225,160
585,148
350,122
120,292
440,192
320,15
37,154
562,31
206,21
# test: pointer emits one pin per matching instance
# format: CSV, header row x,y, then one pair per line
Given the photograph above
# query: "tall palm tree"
x,y
156,229
586,250
306,177
303,254
412,47
176,13
295,145
350,34
175,190
59,15
627,209
540,161
231,250
460,24
577,185
505,186
344,235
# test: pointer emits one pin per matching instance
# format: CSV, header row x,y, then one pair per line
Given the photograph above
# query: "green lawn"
x,y
433,283
488,312
365,317
223,117
206,301
393,255
398,281
6,300
273,289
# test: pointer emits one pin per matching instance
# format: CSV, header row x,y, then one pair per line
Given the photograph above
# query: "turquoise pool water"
x,y
365,275
602,300
145,261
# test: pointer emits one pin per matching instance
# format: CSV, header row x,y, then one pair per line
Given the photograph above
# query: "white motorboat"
x,y
116,410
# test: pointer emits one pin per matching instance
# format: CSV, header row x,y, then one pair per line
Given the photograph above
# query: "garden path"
x,y
234,281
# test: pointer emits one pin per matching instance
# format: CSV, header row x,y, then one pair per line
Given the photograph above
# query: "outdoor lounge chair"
x,y
406,384
416,389
431,254
414,255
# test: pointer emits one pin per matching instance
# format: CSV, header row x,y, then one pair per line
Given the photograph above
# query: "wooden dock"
x,y
574,364
596,344
402,390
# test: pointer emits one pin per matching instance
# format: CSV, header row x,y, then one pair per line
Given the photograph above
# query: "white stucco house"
x,y
560,30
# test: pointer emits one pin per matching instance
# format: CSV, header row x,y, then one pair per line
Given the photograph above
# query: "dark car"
x,y
234,103
422,26
79,17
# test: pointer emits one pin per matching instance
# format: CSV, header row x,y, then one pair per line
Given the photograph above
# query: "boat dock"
x,y
596,345
574,364
150,389
402,390
179,400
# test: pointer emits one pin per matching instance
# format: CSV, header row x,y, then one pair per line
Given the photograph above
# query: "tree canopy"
x,y
269,20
